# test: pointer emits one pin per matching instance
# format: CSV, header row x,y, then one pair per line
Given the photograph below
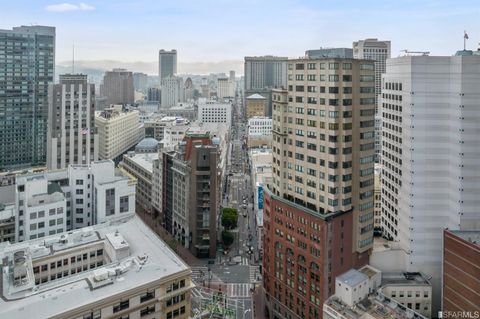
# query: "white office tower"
x,y
223,88
118,269
431,150
173,91
51,202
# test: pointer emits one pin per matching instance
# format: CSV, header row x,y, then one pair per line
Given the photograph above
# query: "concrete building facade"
x,y
263,73
118,87
256,105
82,195
378,51
429,153
118,132
167,64
172,92
213,112
27,69
140,166
72,137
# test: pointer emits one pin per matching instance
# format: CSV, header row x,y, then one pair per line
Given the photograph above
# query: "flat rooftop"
x,y
352,277
472,236
376,306
404,278
147,260
144,160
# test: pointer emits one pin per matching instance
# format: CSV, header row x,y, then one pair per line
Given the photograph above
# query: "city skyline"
x,y
107,30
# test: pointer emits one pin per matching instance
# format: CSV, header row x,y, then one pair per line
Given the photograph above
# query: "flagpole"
x,y
464,40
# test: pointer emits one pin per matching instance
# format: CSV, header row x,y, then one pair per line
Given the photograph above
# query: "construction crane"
x,y
409,53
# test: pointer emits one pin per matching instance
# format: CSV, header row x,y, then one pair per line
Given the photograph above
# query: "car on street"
x,y
244,206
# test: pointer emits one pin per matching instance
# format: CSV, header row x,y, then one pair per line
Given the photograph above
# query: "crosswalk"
x,y
238,290
199,273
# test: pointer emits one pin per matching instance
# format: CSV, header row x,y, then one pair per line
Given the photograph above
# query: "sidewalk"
x,y
258,303
181,251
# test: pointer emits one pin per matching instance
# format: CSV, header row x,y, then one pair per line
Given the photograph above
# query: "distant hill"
x,y
95,69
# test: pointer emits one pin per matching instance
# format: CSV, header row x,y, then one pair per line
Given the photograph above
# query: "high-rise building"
x,y
189,90
140,81
460,280
379,51
172,92
264,73
27,66
167,64
118,132
72,138
318,213
154,95
430,155
118,87
119,268
223,88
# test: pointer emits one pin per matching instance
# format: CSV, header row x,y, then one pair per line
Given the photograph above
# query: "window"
x,y
79,182
119,306
367,66
333,66
147,311
124,204
347,78
333,77
347,66
147,296
367,78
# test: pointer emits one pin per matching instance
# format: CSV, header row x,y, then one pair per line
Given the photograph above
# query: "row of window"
x,y
331,66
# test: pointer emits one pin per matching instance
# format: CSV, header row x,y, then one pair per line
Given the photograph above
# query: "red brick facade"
x,y
461,274
302,255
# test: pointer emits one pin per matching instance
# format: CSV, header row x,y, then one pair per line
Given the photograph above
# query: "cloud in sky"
x,y
65,7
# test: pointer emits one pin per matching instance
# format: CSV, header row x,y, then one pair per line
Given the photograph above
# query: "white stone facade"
x,y
430,140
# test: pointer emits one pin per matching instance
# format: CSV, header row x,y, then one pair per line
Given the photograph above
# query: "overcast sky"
x,y
213,31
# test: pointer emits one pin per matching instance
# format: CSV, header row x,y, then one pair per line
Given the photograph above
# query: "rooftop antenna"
x,y
465,38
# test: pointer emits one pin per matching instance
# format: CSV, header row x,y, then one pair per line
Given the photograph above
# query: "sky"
x,y
224,31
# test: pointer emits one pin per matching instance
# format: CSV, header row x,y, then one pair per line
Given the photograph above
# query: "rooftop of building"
x,y
352,277
256,96
404,278
375,306
144,160
148,143
139,256
472,236
369,271
7,212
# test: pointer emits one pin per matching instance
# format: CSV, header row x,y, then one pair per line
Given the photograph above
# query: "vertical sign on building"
x,y
260,197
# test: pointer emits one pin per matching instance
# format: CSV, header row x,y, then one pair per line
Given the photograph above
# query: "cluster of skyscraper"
x,y
335,113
